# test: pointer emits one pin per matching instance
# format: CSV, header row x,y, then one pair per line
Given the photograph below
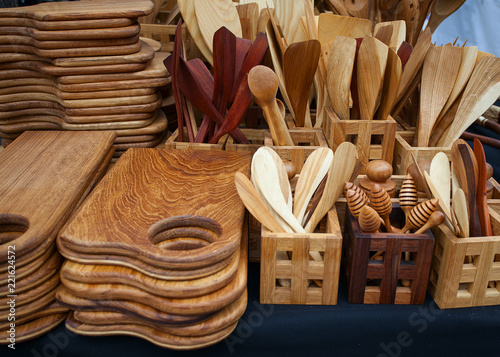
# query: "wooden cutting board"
x,y
165,188
112,274
31,296
52,70
35,328
47,270
16,40
155,69
51,88
66,25
114,85
29,309
72,35
73,52
25,266
222,319
81,10
65,298
200,305
150,334
52,309
57,167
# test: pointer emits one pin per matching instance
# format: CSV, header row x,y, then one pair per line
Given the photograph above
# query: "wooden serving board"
x,y
46,271
25,266
29,309
58,168
138,310
35,328
199,305
52,309
112,274
72,35
73,52
81,10
32,295
16,40
150,334
224,318
52,70
114,85
164,188
155,69
66,25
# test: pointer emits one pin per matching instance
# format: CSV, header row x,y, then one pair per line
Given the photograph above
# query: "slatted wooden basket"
x,y
302,273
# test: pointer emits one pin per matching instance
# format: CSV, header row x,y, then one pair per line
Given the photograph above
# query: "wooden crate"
x,y
300,271
379,281
465,272
172,143
374,139
403,151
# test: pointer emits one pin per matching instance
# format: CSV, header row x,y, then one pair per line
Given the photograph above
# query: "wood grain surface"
x,y
36,328
57,167
164,188
52,309
66,25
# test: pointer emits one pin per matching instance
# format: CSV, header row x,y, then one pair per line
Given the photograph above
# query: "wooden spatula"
x,y
482,204
339,74
392,78
299,67
474,223
441,177
371,63
439,73
460,212
396,35
331,26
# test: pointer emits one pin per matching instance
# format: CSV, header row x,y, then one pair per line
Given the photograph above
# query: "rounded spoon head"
x,y
263,83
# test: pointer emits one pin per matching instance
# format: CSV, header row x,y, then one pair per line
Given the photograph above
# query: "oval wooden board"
x,y
73,52
72,35
16,40
52,309
35,328
66,25
82,10
179,183
58,167
138,310
222,319
47,270
113,274
151,335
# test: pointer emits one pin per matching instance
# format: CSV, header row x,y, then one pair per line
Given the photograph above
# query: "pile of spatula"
x,y
80,65
224,97
45,176
158,250
461,189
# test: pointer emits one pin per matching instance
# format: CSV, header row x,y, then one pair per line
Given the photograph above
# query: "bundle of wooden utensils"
x,y
45,176
81,66
160,251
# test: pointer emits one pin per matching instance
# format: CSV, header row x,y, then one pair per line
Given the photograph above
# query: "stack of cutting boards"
x,y
44,177
159,249
80,65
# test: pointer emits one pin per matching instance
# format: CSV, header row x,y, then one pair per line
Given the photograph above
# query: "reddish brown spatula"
x,y
482,204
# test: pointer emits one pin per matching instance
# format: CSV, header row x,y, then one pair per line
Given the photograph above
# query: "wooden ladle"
x,y
263,83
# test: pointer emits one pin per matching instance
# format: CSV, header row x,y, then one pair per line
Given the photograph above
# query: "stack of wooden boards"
x,y
45,175
157,249
80,65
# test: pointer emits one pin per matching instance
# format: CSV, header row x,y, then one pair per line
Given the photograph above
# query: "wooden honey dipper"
x,y
380,201
420,214
356,199
408,197
369,220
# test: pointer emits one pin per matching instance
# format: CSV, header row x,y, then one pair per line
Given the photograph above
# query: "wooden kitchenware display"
x,y
80,66
45,176
159,246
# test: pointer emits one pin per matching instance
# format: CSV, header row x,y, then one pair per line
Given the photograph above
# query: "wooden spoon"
x,y
460,212
439,73
392,78
440,10
314,170
436,194
282,174
263,83
299,67
339,74
479,94
253,202
266,177
212,15
248,14
343,164
371,63
440,174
